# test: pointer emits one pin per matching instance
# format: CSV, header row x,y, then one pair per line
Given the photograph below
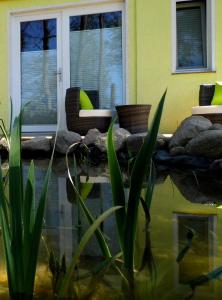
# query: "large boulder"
x,y
39,143
91,136
135,141
119,136
64,140
207,143
188,129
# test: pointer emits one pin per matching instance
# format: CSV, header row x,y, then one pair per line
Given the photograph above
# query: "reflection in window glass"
x,y
191,34
38,72
96,56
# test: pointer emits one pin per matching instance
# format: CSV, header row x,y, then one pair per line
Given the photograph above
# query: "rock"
x,y
177,150
207,143
188,129
216,164
91,136
187,161
3,144
216,126
161,142
39,143
64,140
134,142
119,136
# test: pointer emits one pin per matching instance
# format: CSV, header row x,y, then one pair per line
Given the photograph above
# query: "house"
x,y
129,50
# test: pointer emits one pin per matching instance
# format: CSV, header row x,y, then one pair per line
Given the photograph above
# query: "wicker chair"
x,y
134,117
81,124
205,109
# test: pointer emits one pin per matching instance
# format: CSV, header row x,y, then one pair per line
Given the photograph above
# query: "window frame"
x,y
210,38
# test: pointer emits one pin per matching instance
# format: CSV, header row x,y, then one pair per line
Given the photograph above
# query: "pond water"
x,y
182,201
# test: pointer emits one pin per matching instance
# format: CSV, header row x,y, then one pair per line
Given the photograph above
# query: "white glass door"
x,y
37,87
50,52
96,55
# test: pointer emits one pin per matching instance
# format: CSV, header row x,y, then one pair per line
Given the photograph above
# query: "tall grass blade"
x,y
139,171
28,214
86,237
36,232
5,225
117,186
16,202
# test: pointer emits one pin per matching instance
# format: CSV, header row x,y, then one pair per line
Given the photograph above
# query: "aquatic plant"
x,y
21,222
66,282
81,201
126,217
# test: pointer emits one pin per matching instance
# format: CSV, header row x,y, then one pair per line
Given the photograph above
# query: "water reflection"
x,y
198,187
158,274
199,258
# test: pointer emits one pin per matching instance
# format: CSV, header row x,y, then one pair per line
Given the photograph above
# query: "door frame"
x,y
15,74
62,14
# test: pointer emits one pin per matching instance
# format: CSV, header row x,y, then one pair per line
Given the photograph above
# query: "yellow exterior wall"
x,y
154,63
149,63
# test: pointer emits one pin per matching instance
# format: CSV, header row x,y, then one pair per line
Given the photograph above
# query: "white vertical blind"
x,y
96,58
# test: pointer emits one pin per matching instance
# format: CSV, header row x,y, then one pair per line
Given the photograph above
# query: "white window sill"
x,y
190,71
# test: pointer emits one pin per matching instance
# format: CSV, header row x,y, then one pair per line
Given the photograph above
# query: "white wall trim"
x,y
126,38
210,26
56,7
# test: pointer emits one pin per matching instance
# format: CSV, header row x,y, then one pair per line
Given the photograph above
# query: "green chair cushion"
x,y
84,100
217,98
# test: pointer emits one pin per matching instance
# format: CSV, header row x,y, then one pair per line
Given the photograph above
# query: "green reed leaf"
x,y
16,202
117,186
139,171
36,232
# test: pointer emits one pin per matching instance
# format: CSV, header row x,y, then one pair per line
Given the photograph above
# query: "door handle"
x,y
59,74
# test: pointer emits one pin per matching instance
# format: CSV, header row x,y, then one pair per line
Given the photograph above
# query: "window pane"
x,y
96,56
38,72
191,37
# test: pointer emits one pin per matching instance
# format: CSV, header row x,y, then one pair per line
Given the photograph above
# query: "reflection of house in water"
x,y
198,187
65,222
199,259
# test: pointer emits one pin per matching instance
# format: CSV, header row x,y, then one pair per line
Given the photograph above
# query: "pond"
x,y
183,202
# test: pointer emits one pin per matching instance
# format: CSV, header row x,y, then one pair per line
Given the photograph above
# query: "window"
x,y
96,56
38,55
193,36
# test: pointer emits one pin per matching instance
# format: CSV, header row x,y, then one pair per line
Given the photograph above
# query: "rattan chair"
x,y
205,109
81,124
